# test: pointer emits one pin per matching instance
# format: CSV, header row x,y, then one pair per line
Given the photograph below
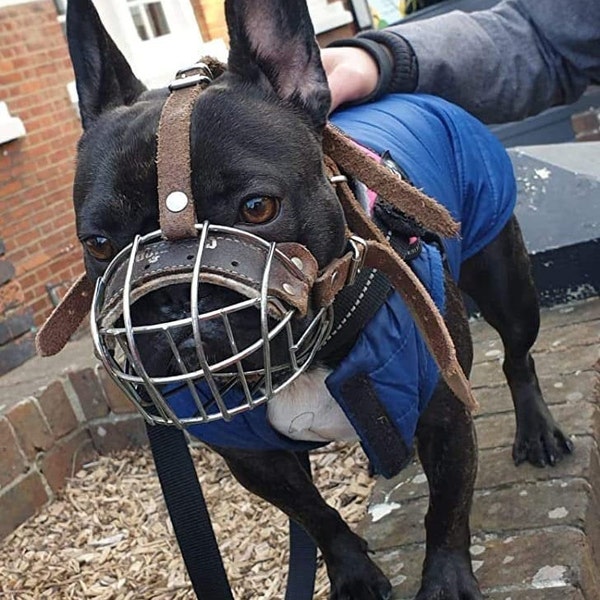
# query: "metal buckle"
x,y
359,252
189,76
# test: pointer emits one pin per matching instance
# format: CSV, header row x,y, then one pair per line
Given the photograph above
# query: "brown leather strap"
x,y
411,201
358,222
175,200
65,318
426,315
228,260
380,255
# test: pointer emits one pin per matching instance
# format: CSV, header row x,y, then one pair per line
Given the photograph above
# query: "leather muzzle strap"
x,y
406,198
175,200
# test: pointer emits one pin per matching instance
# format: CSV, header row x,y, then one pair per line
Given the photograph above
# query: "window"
x,y
149,19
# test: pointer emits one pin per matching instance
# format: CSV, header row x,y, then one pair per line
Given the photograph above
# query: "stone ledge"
x,y
536,532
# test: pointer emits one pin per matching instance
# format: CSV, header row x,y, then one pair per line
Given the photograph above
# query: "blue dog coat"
x,y
456,160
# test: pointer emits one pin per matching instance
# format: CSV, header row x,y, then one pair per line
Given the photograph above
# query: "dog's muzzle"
x,y
273,279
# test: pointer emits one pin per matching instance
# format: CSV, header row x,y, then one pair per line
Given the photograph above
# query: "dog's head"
x,y
255,150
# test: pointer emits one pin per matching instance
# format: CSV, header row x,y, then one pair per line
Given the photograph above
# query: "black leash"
x,y
302,565
193,529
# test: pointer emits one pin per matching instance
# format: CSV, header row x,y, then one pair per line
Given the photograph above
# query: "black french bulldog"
x,y
256,133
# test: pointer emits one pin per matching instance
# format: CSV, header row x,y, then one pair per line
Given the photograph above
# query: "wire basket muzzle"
x,y
273,285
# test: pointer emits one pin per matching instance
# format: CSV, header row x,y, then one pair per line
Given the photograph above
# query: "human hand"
x,y
351,72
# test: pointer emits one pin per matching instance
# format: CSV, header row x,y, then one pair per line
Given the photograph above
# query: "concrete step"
x,y
558,207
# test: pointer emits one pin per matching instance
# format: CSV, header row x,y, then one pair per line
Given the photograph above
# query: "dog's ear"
x,y
103,77
275,39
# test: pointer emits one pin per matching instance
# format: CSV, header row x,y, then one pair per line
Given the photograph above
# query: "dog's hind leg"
x,y
498,278
448,452
279,478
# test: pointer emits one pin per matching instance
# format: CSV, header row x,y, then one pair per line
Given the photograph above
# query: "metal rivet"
x,y
338,179
298,262
288,289
176,201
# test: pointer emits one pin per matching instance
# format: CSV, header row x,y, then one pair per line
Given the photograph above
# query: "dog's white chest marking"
x,y
306,411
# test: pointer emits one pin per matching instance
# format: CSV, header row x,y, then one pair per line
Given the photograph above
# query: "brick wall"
x,y
36,171
47,437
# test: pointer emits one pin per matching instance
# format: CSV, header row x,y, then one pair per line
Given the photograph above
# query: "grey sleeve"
x,y
511,61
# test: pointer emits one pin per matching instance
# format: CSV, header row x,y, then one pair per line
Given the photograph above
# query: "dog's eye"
x,y
259,210
99,247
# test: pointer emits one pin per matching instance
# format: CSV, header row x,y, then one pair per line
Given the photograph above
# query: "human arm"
x,y
501,64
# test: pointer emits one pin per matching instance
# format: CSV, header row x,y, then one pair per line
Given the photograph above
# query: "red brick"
x,y
12,187
12,462
32,431
90,393
116,398
66,458
35,260
21,501
57,409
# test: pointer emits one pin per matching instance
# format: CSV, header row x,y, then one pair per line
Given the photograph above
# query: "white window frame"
x,y
11,128
148,27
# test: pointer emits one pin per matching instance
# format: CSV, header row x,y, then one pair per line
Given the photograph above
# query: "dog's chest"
x,y
306,411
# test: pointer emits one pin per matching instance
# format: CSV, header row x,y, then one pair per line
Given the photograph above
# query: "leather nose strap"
x,y
175,200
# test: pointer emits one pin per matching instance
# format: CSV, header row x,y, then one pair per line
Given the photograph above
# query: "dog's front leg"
x,y
279,478
448,451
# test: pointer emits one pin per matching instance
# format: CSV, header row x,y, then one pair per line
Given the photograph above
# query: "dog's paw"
x,y
540,441
448,576
359,578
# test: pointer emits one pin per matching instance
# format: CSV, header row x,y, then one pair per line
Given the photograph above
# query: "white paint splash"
x,y
398,580
420,478
543,173
558,513
378,511
476,564
549,577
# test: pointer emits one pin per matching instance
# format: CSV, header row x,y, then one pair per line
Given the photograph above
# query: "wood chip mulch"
x,y
107,536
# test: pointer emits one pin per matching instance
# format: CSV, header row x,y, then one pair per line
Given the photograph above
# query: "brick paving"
x,y
536,532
